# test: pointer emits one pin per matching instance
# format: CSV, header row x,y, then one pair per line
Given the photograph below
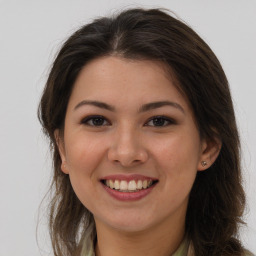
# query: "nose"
x,y
127,148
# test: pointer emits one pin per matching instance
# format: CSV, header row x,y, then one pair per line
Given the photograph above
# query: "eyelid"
x,y
85,120
171,121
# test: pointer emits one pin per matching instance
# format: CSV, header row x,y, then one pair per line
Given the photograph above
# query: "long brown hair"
x,y
217,198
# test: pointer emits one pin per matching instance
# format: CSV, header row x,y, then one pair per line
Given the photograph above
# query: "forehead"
x,y
120,80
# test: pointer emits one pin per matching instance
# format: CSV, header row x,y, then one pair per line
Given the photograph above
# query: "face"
x,y
130,146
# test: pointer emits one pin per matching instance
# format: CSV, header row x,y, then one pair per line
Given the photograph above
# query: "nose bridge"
x,y
127,147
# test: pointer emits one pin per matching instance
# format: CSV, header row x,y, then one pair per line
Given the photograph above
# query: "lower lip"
x,y
128,196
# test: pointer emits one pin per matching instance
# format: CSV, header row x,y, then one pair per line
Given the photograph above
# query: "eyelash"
x,y
164,119
91,118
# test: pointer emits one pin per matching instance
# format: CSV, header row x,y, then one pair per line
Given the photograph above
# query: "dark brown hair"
x,y
217,198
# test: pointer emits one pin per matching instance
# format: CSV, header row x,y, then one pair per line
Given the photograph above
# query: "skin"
x,y
128,142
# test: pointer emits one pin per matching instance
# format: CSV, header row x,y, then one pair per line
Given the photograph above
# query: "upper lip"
x,y
128,178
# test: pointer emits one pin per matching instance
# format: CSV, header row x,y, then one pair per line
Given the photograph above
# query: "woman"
x,y
145,143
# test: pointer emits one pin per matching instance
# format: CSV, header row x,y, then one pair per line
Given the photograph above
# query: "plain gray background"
x,y
30,34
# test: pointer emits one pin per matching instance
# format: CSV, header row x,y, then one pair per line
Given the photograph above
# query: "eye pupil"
x,y
98,121
158,121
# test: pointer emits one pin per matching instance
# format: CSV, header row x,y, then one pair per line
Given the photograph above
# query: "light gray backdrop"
x,y
30,34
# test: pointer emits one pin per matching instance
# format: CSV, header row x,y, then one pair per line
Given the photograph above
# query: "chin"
x,y
130,224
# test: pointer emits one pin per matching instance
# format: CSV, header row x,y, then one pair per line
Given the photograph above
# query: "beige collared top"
x,y
185,249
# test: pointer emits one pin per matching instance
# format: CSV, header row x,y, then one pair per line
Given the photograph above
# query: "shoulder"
x,y
192,253
248,253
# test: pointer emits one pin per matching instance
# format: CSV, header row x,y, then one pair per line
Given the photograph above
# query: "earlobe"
x,y
210,151
64,168
61,148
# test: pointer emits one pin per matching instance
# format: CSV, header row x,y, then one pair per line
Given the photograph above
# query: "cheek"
x,y
82,149
177,151
177,158
84,154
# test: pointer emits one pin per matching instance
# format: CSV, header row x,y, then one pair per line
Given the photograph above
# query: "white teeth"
x,y
130,186
123,185
111,184
144,184
139,184
117,185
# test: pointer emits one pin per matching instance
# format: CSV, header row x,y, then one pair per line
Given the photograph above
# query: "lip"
x,y
128,196
127,178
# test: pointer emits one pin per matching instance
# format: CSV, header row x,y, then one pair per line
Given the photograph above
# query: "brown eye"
x,y
159,121
95,121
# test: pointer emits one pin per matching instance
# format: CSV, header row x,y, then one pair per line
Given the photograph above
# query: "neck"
x,y
162,239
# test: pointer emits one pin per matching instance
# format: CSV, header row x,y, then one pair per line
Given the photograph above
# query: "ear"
x,y
61,147
210,149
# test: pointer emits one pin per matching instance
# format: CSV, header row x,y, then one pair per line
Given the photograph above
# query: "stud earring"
x,y
203,163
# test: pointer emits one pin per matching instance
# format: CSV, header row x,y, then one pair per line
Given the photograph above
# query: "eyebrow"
x,y
159,104
143,108
98,104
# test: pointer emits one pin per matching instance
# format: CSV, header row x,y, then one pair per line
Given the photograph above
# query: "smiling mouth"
x,y
129,186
